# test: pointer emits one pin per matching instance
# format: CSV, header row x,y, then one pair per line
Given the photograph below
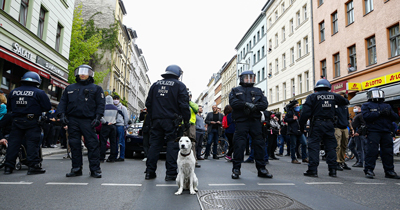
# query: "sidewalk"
x,y
52,151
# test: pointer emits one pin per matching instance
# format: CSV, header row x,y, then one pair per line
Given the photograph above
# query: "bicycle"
x,y
222,147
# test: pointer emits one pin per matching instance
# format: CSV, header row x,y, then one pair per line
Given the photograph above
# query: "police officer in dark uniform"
x,y
378,117
26,104
167,105
320,108
247,103
81,108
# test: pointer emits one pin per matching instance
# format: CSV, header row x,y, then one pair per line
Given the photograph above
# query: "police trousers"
x,y
385,141
163,130
28,131
322,131
76,129
253,128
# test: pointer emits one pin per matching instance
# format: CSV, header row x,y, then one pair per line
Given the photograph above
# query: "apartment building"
x,y
229,81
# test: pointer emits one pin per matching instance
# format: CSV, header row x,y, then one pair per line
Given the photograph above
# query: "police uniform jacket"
x,y
371,112
166,98
320,106
28,100
342,117
240,95
82,101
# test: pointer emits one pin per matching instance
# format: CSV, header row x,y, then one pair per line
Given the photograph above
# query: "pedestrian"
x,y
285,137
81,108
122,122
378,117
320,109
145,132
55,132
47,129
273,133
191,132
294,131
230,130
109,131
247,103
26,104
214,131
200,130
342,121
167,105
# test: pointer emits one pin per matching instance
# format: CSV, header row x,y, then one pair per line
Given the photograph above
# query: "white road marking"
x,y
65,183
166,185
398,183
125,185
234,184
324,183
276,184
367,183
22,182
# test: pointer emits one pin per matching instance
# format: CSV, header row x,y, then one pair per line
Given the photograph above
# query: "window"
x,y
276,15
270,44
322,31
258,76
254,59
23,12
352,59
320,2
293,87
283,7
258,55
307,81
298,18
262,31
291,26
270,22
258,35
292,55
58,37
270,68
371,50
276,66
263,72
42,14
368,6
2,4
305,40
284,91
323,69
277,92
298,49
262,51
336,58
305,12
276,39
283,33
394,36
334,23
284,61
350,13
300,84
254,40
270,95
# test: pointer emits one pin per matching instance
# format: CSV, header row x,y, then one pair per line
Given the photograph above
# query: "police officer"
x,y
167,103
320,108
81,108
247,103
26,104
378,117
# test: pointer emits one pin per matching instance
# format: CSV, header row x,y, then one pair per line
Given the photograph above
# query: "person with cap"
x,y
167,106
81,107
122,122
320,109
27,103
247,103
378,117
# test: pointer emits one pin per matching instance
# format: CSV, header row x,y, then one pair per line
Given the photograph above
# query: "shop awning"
x,y
16,59
391,93
58,82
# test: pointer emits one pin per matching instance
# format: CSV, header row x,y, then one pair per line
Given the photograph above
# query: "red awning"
x,y
58,82
16,59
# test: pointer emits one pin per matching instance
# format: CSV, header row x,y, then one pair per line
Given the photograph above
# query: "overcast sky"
x,y
199,36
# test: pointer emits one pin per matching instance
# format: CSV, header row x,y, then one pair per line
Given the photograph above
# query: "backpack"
x,y
225,122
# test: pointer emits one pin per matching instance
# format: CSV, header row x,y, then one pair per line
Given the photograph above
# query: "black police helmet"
x,y
84,70
247,78
375,94
173,70
322,84
31,77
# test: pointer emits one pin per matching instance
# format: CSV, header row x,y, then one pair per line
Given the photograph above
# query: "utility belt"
x,y
323,119
28,116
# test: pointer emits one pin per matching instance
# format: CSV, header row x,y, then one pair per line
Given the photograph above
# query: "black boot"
x,y
369,174
310,173
263,172
236,173
150,175
344,166
36,169
332,172
95,174
74,172
392,175
8,170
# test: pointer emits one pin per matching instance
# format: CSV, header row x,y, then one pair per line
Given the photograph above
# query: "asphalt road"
x,y
123,186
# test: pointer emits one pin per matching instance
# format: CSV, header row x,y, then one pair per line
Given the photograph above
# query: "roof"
x,y
121,4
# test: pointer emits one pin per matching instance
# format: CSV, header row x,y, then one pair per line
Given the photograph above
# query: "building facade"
x,y
228,81
35,36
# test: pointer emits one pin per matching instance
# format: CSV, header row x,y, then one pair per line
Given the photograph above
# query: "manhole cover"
x,y
242,199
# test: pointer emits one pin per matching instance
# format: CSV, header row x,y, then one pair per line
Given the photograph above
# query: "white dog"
x,y
186,178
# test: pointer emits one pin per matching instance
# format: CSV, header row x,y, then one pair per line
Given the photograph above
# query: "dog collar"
x,y
186,154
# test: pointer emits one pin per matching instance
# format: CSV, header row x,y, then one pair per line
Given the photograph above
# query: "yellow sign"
x,y
374,82
395,77
353,86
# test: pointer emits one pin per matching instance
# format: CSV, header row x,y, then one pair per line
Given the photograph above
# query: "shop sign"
x,y
353,86
51,67
58,84
21,51
339,86
395,77
374,82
